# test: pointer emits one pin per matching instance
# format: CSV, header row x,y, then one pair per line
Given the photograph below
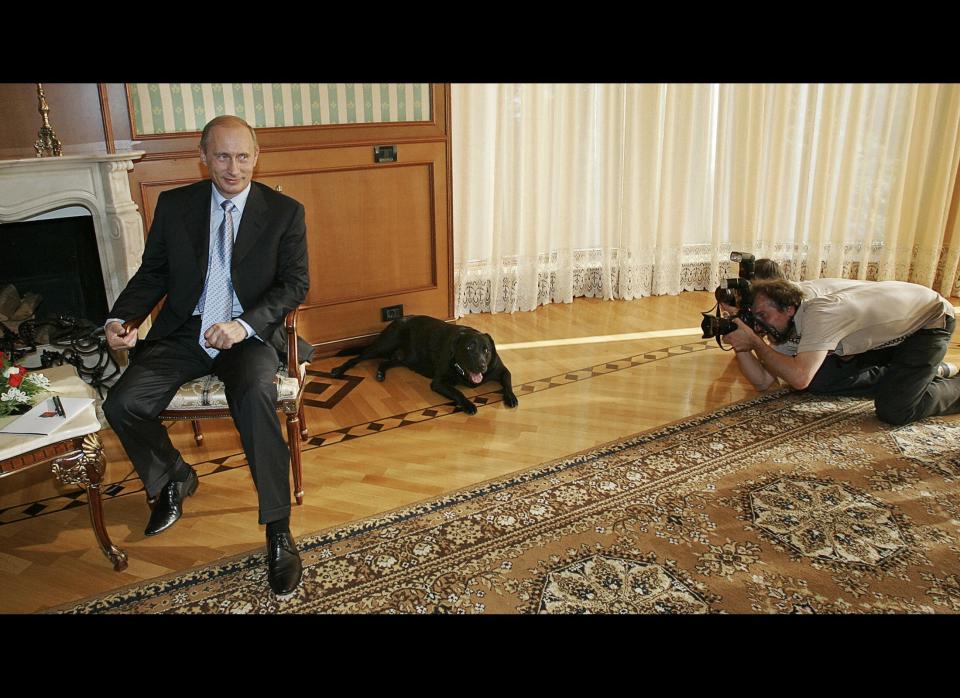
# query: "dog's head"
x,y
473,354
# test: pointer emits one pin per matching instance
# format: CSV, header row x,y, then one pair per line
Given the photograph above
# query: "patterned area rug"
x,y
783,504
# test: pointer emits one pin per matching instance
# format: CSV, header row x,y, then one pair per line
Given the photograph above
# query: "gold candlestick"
x,y
47,144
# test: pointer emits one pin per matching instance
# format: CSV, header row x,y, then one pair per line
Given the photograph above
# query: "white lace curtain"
x,y
622,191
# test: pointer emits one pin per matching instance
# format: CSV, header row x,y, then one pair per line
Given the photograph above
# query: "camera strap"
x,y
790,334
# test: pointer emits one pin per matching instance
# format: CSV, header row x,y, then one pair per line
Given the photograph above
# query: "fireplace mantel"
x,y
98,182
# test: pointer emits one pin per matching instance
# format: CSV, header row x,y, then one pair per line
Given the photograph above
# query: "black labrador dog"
x,y
447,354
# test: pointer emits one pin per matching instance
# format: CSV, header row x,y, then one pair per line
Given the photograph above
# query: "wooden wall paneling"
x,y
377,235
108,136
448,193
361,215
148,179
74,115
116,104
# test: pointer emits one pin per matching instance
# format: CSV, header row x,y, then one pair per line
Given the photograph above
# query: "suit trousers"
x,y
901,379
157,370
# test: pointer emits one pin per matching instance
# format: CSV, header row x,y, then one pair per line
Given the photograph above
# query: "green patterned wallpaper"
x,y
178,107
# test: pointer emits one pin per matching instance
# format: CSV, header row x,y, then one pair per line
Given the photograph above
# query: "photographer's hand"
x,y
764,360
728,310
744,339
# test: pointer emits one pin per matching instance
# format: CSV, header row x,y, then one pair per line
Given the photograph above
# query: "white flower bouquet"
x,y
19,389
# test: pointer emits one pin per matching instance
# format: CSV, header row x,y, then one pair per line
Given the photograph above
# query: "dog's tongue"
x,y
475,378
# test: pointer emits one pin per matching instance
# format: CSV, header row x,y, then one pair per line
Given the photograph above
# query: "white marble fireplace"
x,y
97,182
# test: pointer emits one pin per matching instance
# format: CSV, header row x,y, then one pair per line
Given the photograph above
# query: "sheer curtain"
x,y
622,191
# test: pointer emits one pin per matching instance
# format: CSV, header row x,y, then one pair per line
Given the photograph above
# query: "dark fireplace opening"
x,y
56,258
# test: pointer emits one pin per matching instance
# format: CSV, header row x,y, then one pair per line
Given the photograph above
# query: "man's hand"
x,y
118,338
744,339
224,335
761,369
728,310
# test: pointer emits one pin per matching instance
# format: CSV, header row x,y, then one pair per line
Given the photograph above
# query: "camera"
x,y
734,292
746,262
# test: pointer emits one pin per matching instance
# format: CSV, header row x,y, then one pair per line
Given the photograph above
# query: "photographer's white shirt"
x,y
848,317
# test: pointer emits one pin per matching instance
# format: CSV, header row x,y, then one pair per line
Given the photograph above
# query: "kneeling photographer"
x,y
879,339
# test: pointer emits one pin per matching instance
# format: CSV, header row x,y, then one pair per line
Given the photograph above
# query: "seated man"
x,y
231,258
879,339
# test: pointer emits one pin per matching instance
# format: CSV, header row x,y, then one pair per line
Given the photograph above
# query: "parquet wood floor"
x,y
586,373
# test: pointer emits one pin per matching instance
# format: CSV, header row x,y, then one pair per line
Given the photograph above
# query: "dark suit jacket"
x,y
268,269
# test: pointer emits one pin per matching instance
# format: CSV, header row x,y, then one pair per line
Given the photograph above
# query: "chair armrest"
x,y
134,323
290,324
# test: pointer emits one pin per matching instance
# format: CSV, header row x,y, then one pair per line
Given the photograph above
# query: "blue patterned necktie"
x,y
217,299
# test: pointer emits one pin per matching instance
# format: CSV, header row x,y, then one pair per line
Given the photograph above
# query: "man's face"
x,y
230,156
769,314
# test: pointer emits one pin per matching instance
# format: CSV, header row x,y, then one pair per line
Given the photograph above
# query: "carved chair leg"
x,y
303,422
197,433
293,443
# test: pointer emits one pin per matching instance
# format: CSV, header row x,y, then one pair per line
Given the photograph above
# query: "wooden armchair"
x,y
205,398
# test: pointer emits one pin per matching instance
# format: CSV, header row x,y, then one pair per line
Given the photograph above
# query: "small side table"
x,y
74,452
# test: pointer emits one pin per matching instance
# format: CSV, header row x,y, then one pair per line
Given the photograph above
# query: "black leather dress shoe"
x,y
283,561
168,506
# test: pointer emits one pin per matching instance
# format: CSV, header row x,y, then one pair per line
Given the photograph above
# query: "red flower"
x,y
17,378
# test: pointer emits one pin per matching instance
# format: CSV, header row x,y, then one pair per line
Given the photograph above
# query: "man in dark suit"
x,y
231,258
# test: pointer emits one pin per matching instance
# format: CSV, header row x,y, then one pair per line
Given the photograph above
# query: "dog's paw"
x,y
337,372
469,408
381,375
510,400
